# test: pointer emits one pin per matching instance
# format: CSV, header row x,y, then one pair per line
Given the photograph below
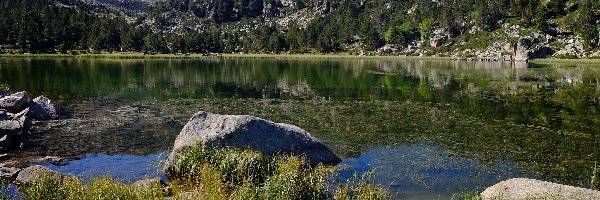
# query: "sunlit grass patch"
x,y
247,174
467,195
360,187
98,188
220,174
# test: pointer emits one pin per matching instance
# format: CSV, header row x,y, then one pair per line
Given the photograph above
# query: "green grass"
x,y
567,61
467,195
215,174
98,188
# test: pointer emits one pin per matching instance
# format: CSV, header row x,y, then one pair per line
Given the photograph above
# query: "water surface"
x,y
425,128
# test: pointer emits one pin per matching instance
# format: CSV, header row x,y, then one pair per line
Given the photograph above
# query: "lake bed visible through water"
x,y
423,128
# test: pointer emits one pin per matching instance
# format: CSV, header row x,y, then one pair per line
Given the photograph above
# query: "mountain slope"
x,y
464,28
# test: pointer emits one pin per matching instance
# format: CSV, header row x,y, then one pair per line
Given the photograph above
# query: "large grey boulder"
x,y
243,131
14,103
524,188
38,173
42,108
12,129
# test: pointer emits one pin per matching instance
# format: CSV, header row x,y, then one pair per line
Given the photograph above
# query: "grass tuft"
x,y
360,187
220,174
467,195
99,188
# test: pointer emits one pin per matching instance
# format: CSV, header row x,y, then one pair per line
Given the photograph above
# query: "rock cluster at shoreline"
x,y
17,111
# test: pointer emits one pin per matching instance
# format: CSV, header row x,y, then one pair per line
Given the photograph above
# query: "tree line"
x,y
48,26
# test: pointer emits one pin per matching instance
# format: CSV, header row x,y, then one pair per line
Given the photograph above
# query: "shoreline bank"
x,y
295,56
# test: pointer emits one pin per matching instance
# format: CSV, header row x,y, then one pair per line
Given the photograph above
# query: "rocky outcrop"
x,y
37,173
521,50
528,48
523,188
243,131
16,112
438,37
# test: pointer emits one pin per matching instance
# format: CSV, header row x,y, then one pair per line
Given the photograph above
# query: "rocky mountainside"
x,y
479,35
475,29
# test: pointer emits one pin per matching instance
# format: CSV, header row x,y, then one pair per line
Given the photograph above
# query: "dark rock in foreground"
x,y
524,188
243,131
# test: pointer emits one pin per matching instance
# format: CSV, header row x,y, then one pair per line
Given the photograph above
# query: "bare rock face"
x,y
36,173
521,50
14,103
523,188
243,131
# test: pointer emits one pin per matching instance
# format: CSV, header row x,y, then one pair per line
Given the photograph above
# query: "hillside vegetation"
x,y
561,28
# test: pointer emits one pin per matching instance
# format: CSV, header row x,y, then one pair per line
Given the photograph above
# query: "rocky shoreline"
x,y
17,114
17,111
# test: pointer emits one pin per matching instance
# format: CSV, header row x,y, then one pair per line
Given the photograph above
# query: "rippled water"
x,y
424,128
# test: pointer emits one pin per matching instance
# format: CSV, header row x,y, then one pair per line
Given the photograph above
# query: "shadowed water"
x,y
426,128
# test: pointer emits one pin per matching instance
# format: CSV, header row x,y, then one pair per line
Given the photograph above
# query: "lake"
x,y
423,128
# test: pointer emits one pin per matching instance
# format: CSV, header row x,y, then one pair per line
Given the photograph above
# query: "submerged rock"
x,y
243,131
14,103
36,173
524,188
